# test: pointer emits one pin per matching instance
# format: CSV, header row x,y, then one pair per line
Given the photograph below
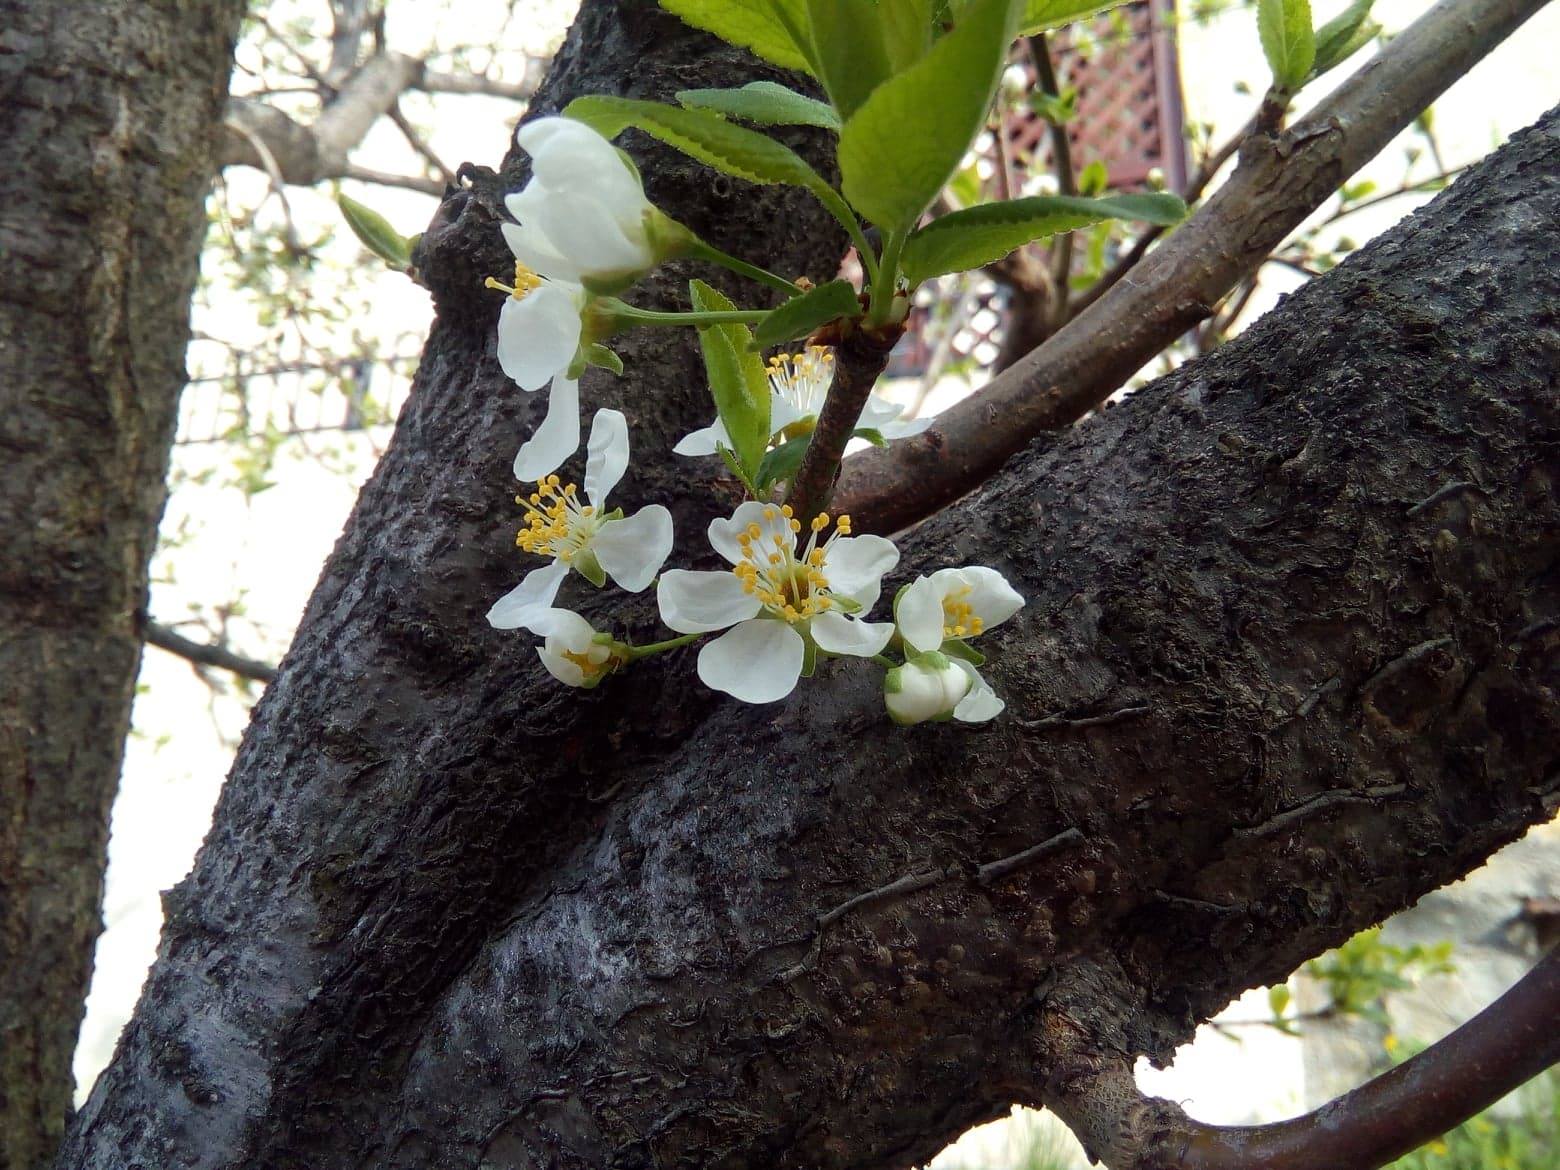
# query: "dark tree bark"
x,y
1288,662
106,145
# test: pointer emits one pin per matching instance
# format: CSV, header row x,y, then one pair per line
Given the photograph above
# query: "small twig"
x,y
1318,803
1182,900
1445,493
207,654
409,132
1057,722
858,360
1066,184
1315,697
995,871
388,179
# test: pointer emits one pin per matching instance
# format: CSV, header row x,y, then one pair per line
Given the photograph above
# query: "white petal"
x,y
919,614
564,630
855,566
925,691
529,600
564,670
758,661
557,438
535,250
982,703
633,549
783,412
538,334
839,634
770,520
584,229
608,456
697,602
878,412
905,429
991,597
703,441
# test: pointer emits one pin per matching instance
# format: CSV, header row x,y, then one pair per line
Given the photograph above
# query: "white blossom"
x,y
935,616
798,384
572,651
582,534
929,686
781,604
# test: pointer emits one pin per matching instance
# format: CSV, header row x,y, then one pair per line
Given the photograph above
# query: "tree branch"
x,y
1510,1042
1279,182
207,653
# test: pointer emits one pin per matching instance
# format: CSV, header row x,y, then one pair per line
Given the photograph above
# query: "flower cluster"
x,y
797,588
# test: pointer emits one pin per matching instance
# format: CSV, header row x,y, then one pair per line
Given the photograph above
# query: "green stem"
x,y
626,312
841,211
709,252
883,283
885,660
635,653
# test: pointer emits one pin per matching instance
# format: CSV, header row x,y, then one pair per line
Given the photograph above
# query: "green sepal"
x,y
587,566
893,681
766,103
799,316
375,233
958,648
871,435
600,355
932,660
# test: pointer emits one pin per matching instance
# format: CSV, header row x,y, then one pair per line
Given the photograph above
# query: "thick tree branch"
x,y
1510,1042
1279,182
207,653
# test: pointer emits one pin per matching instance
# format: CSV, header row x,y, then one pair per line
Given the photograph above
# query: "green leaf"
x,y
763,26
1040,15
909,137
703,135
1287,40
738,381
765,103
907,31
848,50
799,316
375,233
1278,999
1094,179
782,462
597,354
1343,36
978,235
958,648
871,435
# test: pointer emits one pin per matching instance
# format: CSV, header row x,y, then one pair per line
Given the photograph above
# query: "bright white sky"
x,y
274,547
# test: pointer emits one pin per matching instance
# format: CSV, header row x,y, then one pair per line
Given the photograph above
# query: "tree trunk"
x,y
1288,662
110,112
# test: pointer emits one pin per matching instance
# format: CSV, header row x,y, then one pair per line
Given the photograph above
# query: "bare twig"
x,y
207,654
1279,183
1060,722
420,145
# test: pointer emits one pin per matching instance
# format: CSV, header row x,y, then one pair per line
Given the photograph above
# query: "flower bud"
x,y
928,686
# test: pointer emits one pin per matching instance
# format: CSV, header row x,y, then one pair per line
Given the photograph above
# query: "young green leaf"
x,y
907,31
1288,41
1342,36
763,26
978,235
738,381
871,435
765,103
782,462
799,316
1040,15
375,233
910,135
703,135
848,50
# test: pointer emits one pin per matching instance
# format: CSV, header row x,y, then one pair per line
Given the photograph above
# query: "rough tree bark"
x,y
106,144
1289,661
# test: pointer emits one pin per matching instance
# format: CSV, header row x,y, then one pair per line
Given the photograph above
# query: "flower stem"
x,y
635,653
626,312
704,251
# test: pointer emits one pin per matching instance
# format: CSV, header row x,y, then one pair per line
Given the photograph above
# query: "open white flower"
x,y
583,217
953,604
573,652
798,384
935,616
584,535
538,336
783,605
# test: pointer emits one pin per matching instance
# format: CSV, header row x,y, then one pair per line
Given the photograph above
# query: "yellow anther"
x,y
796,525
785,510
